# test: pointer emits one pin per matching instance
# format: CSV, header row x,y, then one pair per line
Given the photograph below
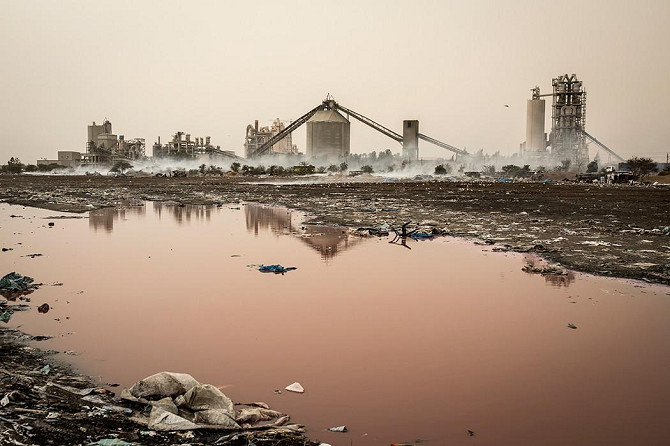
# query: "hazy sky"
x,y
212,67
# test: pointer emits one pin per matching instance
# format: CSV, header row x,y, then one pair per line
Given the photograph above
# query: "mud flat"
x,y
616,231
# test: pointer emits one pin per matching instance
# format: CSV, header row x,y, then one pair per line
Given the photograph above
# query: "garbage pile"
x,y
178,402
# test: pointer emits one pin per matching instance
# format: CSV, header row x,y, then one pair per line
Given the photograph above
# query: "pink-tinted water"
x,y
397,344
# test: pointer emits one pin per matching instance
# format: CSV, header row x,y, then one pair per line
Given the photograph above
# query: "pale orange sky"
x,y
212,67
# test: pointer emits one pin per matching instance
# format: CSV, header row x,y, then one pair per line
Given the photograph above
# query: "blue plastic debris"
x,y
421,235
277,269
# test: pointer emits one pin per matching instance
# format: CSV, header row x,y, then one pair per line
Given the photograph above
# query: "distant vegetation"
x,y
641,167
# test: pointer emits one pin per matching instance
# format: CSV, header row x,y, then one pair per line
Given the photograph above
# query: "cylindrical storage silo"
x,y
535,137
328,135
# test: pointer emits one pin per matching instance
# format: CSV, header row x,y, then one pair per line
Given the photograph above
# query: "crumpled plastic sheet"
x,y
16,282
277,269
179,402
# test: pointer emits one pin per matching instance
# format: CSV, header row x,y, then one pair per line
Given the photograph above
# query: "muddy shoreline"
x,y
609,230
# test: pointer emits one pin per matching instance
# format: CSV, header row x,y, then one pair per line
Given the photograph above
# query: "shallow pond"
x,y
397,344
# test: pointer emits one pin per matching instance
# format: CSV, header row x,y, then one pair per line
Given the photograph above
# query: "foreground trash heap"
x,y
43,402
179,402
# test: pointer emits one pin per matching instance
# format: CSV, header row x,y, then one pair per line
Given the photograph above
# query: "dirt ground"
x,y
612,230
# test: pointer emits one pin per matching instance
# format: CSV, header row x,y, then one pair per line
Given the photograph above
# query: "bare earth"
x,y
613,230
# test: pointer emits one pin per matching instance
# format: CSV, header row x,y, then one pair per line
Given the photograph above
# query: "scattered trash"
x,y
7,249
180,403
295,387
277,392
471,433
277,269
111,442
32,256
53,416
51,224
571,325
338,429
17,282
544,270
45,370
44,308
5,317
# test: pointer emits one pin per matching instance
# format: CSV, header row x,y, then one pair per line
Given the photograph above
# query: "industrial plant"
x,y
568,139
328,137
183,146
256,137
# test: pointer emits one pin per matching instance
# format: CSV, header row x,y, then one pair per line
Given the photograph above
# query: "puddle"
x,y
397,344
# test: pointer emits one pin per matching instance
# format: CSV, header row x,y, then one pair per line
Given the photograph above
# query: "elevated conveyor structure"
x,y
602,146
330,104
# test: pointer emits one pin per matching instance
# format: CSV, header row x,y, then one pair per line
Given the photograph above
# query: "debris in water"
x,y
17,282
32,256
471,433
44,308
295,387
5,317
277,269
338,429
571,325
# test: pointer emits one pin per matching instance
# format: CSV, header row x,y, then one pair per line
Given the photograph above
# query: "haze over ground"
x,y
210,68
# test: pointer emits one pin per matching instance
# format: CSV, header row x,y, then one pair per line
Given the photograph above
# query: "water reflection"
x,y
554,275
104,219
277,220
183,212
327,240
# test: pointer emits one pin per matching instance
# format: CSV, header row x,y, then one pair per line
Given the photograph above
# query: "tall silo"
x,y
328,135
536,138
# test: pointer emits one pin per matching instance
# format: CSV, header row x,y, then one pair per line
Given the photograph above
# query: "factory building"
x,y
568,119
66,158
103,146
183,145
256,137
328,135
568,138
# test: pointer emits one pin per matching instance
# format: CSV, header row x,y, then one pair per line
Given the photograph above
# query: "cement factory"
x,y
328,129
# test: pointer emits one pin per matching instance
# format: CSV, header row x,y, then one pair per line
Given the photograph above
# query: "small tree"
x,y
343,166
442,169
489,170
641,167
367,169
202,168
120,166
592,166
333,168
235,167
14,165
511,170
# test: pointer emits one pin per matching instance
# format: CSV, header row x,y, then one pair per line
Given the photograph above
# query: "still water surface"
x,y
398,344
